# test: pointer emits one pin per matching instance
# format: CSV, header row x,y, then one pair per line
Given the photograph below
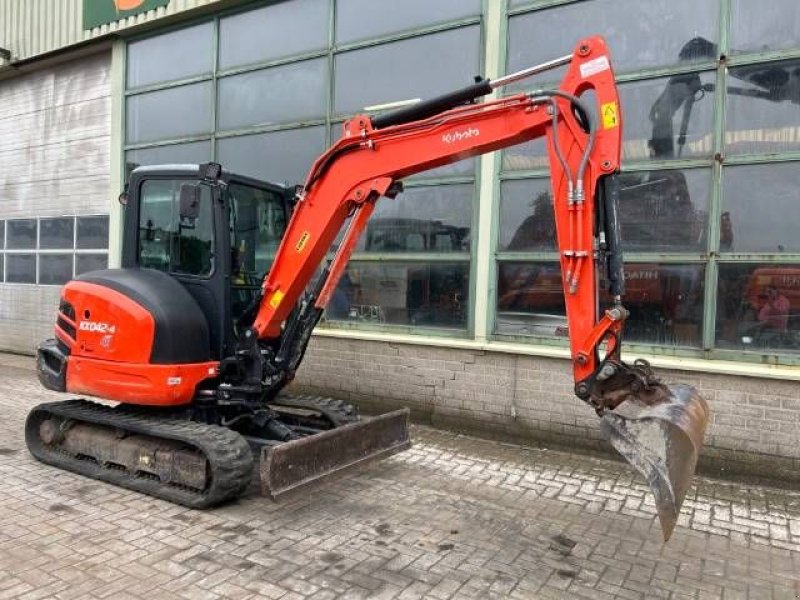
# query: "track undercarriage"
x,y
199,464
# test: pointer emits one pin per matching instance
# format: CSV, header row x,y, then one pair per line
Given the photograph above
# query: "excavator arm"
x,y
658,429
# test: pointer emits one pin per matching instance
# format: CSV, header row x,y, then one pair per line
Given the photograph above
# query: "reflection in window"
x,y
280,156
760,26
289,93
20,268
758,307
527,222
421,219
189,53
760,208
359,19
21,234
56,233
55,269
665,301
170,113
666,118
169,242
390,72
639,34
530,300
416,294
664,210
763,104
92,233
90,262
273,32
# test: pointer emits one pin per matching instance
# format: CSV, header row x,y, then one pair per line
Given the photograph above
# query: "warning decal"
x,y
275,301
609,113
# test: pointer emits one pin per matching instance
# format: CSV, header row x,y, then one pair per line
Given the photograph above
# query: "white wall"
x,y
55,142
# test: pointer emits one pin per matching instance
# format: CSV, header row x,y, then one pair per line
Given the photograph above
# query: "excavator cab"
x,y
215,232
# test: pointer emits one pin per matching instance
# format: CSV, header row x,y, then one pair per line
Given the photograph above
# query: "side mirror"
x,y
189,201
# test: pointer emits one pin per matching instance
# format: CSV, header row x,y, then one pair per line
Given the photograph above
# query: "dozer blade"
x,y
662,442
288,466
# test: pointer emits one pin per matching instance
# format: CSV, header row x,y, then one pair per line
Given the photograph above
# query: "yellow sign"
x,y
275,301
301,243
609,112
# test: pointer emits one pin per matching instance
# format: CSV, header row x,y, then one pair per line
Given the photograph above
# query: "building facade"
x,y
452,303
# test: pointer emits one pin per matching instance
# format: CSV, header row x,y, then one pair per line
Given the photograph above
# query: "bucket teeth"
x,y
662,442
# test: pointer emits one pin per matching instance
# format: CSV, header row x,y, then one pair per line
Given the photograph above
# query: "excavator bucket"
x,y
662,442
291,465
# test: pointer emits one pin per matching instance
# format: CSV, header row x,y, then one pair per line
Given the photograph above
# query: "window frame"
x,y
73,251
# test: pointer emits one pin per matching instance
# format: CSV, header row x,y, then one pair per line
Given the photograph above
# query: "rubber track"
x,y
229,457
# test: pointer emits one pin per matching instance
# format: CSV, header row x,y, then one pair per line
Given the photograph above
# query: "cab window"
x,y
257,223
168,242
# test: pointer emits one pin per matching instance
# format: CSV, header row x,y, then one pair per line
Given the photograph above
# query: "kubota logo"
x,y
457,136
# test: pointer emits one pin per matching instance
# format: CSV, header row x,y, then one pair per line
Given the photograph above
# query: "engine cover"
x,y
133,335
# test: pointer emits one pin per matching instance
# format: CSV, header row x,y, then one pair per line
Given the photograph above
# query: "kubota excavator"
x,y
196,348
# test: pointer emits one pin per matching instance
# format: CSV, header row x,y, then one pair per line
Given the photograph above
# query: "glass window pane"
x,y
20,268
527,222
2,267
281,156
283,29
171,56
170,113
359,19
2,234
172,243
421,219
665,210
639,34
90,262
21,234
295,92
389,72
530,300
762,108
666,302
654,112
758,307
92,233
417,294
55,269
56,233
760,26
174,154
760,208
659,211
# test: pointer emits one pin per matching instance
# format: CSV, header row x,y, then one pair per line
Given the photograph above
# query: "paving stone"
x,y
454,517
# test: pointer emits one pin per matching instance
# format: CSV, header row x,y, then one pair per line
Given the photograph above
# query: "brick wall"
x,y
755,428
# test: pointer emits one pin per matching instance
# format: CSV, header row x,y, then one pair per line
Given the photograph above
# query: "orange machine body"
x,y
110,338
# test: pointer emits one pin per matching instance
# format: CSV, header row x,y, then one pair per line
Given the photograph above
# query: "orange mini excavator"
x,y
224,278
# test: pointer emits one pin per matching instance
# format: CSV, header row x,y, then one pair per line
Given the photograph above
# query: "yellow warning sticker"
x,y
301,243
609,112
275,301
